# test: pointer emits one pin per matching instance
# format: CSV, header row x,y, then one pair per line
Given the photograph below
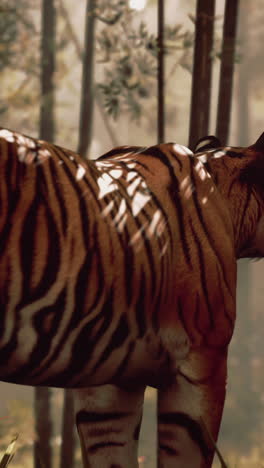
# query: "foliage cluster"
x,y
16,31
129,54
18,51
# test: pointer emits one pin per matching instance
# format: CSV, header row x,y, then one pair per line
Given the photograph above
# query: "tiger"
x,y
120,273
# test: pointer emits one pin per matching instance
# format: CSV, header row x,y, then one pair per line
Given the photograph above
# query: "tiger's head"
x,y
239,172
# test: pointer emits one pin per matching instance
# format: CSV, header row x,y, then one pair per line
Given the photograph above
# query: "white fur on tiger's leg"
x,y
188,411
108,420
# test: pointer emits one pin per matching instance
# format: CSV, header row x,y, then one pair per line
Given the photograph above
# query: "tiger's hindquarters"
x,y
108,420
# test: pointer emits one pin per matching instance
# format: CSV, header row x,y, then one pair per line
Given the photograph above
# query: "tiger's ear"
x,y
253,172
259,145
207,143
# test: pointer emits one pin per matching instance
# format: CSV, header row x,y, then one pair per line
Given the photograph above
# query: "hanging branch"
x,y
202,71
161,113
227,69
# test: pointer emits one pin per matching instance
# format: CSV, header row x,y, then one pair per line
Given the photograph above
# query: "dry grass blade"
x,y
210,437
9,453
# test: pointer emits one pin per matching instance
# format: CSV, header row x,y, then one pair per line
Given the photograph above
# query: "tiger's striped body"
x,y
121,273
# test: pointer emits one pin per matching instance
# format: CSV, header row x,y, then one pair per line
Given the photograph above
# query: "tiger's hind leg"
x,y
108,420
189,415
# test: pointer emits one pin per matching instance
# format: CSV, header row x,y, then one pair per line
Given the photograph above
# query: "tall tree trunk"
x,y
245,326
75,40
226,72
202,71
48,50
86,109
161,110
68,439
85,136
243,79
43,426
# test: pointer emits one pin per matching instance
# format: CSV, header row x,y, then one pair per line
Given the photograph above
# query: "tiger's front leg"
x,y
108,420
191,409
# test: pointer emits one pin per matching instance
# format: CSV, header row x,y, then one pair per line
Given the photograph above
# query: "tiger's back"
x,y
101,268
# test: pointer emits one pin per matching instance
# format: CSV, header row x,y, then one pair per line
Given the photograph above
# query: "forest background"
x,y
129,93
